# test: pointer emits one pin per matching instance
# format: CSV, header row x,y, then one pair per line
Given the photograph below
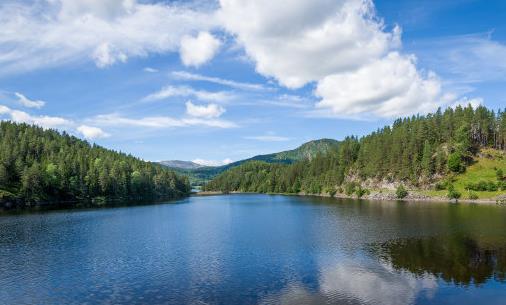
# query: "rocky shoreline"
x,y
377,196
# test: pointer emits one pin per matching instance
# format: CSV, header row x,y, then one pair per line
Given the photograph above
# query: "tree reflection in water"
x,y
461,260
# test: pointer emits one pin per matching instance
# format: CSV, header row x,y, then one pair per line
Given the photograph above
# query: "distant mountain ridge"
x,y
200,174
179,164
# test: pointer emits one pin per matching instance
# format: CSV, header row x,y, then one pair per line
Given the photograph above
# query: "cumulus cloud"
x,y
59,32
91,132
341,46
207,111
23,100
298,41
212,162
40,120
390,86
184,91
107,54
196,51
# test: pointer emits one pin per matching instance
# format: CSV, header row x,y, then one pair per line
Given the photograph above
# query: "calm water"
x,y
257,249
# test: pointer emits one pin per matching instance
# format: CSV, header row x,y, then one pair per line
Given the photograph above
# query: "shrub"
x,y
491,186
349,188
452,193
361,191
484,186
455,162
499,174
440,186
501,185
472,195
401,192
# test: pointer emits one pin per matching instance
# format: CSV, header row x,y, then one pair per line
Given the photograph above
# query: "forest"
x,y
46,166
419,151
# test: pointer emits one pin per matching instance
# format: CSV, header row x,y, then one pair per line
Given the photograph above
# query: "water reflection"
x,y
257,249
457,259
359,282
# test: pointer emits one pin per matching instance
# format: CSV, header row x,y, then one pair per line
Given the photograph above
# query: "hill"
x,y
200,175
45,166
181,164
443,151
484,178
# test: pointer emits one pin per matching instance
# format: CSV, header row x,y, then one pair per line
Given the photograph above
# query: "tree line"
x,y
416,150
38,165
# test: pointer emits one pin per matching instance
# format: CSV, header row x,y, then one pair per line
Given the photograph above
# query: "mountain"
x,y
202,174
305,151
181,164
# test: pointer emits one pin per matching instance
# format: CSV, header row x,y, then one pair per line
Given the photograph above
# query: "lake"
x,y
257,249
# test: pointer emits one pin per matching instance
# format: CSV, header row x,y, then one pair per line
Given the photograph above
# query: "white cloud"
x,y
196,51
52,122
183,91
268,138
352,283
290,101
150,70
466,101
226,82
90,132
299,41
59,32
466,58
387,87
212,162
158,121
208,111
100,8
342,46
40,120
23,100
107,54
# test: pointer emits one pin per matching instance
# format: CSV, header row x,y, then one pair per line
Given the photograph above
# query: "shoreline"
x,y
372,197
55,205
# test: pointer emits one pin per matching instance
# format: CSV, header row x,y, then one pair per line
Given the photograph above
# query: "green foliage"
x,y
455,162
482,186
45,165
332,192
414,149
442,185
499,174
350,188
452,193
360,192
401,192
472,195
306,151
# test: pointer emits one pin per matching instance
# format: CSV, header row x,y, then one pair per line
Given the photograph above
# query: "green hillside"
x,y
453,153
201,175
39,166
482,178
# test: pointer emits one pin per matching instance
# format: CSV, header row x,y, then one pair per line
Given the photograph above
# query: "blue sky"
x,y
216,81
